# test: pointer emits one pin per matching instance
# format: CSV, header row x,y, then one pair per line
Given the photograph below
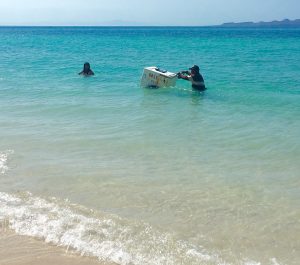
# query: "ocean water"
x,y
132,175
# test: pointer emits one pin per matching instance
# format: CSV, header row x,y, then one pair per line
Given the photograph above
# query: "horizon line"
x,y
117,26
137,24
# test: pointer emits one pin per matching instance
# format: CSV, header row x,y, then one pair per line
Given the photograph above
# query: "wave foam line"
x,y
107,237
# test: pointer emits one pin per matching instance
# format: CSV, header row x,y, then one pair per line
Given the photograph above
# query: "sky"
x,y
144,12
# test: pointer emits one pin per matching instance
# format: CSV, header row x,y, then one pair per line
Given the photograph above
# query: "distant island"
x,y
286,23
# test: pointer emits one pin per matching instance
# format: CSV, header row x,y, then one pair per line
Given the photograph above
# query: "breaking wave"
x,y
3,160
107,237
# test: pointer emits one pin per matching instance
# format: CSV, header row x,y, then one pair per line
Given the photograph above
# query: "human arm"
x,y
181,76
184,75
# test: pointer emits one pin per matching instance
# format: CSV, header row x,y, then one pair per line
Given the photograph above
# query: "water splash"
x,y
107,237
3,160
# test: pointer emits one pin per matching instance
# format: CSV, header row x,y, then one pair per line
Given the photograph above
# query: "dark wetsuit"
x,y
197,82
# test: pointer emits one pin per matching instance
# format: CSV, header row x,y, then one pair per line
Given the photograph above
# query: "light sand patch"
x,y
23,250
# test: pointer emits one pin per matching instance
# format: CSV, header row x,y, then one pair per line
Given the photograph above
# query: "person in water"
x,y
87,71
194,77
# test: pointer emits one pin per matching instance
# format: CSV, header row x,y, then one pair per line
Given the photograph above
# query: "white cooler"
x,y
155,77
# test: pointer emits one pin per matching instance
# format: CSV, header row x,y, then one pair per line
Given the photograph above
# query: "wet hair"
x,y
86,67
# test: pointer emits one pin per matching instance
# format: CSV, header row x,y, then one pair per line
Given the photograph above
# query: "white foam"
x,y
274,262
195,253
252,263
3,160
107,237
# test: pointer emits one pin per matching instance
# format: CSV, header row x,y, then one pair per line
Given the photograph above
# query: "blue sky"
x,y
152,12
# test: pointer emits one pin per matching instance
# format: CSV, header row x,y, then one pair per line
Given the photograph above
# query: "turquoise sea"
x,y
167,176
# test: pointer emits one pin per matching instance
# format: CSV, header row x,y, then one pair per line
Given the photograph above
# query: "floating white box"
x,y
155,77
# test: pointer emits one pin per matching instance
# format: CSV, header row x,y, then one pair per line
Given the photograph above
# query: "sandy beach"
x,y
23,250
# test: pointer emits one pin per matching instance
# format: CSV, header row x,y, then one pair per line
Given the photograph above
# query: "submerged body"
x,y
87,71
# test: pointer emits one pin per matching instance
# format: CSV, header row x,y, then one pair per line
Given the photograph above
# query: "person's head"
x,y
86,67
195,69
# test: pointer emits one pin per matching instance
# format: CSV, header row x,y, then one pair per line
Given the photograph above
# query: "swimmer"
x,y
87,71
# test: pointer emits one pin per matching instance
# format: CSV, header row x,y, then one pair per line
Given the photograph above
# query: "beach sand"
x,y
21,250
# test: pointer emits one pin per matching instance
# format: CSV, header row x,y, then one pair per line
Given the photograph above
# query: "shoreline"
x,y
22,250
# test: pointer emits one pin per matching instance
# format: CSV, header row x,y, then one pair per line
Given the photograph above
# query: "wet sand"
x,y
21,250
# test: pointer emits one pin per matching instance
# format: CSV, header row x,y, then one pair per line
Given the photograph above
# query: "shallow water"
x,y
146,176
